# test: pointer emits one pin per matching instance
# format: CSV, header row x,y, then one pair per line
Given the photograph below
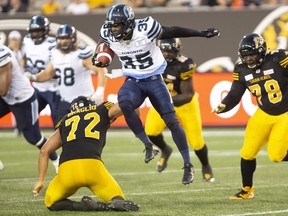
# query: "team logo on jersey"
x,y
249,77
267,72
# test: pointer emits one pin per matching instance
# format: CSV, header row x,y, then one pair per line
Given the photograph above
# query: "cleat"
x,y
122,205
56,164
162,163
207,173
188,175
245,193
151,152
90,205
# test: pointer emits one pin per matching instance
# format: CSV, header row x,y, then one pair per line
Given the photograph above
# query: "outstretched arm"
x,y
232,99
43,75
98,95
177,31
52,144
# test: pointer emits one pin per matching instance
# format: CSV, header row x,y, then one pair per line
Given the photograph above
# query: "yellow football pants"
x,y
263,128
75,174
189,117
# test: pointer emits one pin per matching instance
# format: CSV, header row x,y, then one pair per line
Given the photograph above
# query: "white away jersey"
x,y
20,89
38,56
140,56
73,78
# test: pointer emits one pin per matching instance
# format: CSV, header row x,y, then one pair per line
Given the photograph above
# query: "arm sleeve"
x,y
177,31
234,96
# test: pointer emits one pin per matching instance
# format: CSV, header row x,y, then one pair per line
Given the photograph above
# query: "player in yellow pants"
x,y
178,77
82,135
265,75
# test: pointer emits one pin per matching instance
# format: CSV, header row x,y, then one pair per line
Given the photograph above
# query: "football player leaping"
x,y
134,41
266,77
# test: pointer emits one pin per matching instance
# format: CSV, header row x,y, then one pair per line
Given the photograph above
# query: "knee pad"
x,y
170,120
126,106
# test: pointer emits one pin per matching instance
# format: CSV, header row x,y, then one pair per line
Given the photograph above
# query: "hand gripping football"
x,y
104,54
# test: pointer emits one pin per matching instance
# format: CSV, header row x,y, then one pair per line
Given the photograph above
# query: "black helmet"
x,y
172,45
123,14
253,44
66,31
80,102
39,23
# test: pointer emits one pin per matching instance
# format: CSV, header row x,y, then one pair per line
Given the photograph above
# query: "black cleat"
x,y
90,205
151,152
122,205
162,163
188,175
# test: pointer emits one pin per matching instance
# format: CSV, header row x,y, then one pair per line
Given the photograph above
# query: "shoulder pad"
x,y
51,40
85,52
5,56
151,27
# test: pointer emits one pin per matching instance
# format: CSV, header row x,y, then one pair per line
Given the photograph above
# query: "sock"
x,y
67,205
158,141
203,155
144,138
248,168
286,157
185,155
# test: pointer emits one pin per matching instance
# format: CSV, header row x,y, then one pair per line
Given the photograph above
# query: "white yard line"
x,y
259,213
124,132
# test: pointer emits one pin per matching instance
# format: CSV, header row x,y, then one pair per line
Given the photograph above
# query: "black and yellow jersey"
x,y
182,68
83,133
268,83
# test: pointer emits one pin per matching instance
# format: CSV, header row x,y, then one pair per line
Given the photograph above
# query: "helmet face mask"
x,y
252,50
66,38
121,18
81,102
39,28
170,48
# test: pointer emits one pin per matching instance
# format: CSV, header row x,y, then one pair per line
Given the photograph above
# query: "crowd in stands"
x,y
77,7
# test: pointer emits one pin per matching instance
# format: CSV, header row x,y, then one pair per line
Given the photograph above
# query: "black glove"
x,y
96,63
211,32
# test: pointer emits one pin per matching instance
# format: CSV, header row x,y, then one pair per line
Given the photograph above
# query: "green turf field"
x,y
160,194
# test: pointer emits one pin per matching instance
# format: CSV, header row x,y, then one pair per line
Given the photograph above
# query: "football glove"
x,y
96,63
31,70
31,77
98,95
211,32
219,108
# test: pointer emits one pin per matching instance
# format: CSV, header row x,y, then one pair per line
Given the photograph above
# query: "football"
x,y
104,54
